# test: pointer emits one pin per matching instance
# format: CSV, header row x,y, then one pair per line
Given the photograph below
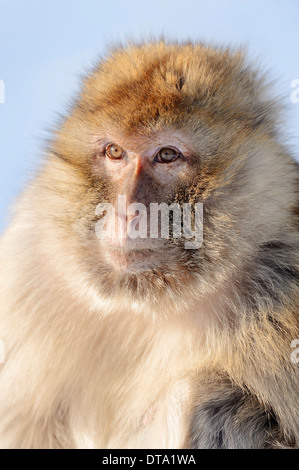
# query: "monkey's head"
x,y
173,124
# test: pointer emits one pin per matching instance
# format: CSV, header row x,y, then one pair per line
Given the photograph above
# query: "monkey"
x,y
114,341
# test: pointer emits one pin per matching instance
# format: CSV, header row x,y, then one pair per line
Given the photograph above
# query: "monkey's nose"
x,y
125,225
126,217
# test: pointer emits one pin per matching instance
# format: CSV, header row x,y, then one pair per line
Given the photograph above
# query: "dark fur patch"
x,y
229,420
277,274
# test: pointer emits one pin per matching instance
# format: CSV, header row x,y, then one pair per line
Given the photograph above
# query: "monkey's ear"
x,y
180,83
175,80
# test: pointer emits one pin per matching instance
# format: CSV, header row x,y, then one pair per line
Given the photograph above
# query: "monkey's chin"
x,y
131,260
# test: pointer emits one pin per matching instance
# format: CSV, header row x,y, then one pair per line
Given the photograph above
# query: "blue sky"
x,y
46,44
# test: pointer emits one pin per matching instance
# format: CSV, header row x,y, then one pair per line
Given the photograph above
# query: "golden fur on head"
x,y
169,355
221,106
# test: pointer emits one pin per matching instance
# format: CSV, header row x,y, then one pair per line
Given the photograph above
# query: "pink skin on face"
x,y
140,154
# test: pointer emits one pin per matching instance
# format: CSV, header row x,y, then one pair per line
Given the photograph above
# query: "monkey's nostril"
x,y
133,216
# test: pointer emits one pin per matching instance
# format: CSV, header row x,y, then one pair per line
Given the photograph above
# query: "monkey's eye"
x,y
114,151
167,155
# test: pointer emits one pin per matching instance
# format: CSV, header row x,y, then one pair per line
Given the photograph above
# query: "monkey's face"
x,y
138,220
142,204
158,126
147,177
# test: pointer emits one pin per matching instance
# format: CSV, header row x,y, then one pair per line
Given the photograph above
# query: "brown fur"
x,y
193,353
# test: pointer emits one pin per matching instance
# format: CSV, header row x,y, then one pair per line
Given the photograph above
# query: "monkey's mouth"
x,y
122,259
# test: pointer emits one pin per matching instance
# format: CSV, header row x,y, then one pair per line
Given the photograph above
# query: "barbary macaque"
x,y
117,335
